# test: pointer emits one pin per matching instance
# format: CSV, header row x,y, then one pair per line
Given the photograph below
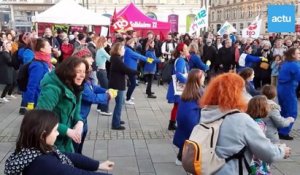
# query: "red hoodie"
x,y
67,50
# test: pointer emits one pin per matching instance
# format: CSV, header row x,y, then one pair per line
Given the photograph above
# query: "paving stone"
x,y
145,166
142,153
125,165
168,169
139,144
120,148
288,168
161,152
101,150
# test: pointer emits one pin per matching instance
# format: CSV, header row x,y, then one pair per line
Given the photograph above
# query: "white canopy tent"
x,y
69,12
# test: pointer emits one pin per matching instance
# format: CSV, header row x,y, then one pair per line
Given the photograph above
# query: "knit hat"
x,y
82,52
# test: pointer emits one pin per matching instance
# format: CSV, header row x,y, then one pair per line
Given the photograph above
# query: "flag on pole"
x,y
253,30
201,20
227,28
113,19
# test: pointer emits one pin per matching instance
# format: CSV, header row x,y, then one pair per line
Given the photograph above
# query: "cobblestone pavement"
x,y
144,148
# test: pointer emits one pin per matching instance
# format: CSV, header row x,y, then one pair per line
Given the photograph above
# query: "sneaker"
x,y
105,113
22,111
132,98
118,128
286,137
178,162
11,97
129,102
151,96
4,100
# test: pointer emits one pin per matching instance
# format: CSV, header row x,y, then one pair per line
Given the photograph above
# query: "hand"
x,y
112,93
263,59
287,152
291,119
74,135
208,63
221,65
150,60
30,106
106,166
53,60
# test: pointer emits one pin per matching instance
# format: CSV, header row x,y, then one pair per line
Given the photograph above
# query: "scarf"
x,y
18,161
45,57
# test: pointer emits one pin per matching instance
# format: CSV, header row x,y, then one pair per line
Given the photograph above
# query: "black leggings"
x,y
9,88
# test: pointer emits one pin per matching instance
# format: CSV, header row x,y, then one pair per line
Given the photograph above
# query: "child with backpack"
x,y
258,109
227,138
35,73
274,120
188,114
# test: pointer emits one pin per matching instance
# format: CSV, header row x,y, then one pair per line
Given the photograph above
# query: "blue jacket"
x,y
49,164
92,94
180,68
37,71
151,68
188,116
131,58
288,78
251,89
247,60
196,62
25,55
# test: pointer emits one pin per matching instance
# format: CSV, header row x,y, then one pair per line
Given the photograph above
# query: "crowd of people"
x,y
66,74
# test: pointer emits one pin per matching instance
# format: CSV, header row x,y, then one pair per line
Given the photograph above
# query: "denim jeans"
x,y
118,109
103,81
131,87
78,147
94,77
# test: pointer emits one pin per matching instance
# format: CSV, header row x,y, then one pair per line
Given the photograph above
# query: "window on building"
x,y
218,27
241,26
213,16
234,25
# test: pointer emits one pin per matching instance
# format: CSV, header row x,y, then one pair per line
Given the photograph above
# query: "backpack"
x,y
15,60
199,156
167,71
23,76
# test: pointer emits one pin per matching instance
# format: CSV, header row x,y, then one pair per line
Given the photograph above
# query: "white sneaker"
x,y
129,102
178,162
11,97
132,98
4,100
106,113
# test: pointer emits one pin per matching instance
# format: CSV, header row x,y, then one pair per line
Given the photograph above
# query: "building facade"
x,y
240,13
17,14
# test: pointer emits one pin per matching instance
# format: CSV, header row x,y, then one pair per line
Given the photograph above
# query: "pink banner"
x,y
173,20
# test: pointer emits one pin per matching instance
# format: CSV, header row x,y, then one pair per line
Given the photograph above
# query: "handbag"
x,y
178,87
264,65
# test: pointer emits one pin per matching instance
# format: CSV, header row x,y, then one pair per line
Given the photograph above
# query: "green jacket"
x,y
57,97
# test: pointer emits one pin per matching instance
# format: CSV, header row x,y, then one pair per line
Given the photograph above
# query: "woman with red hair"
x,y
180,70
223,97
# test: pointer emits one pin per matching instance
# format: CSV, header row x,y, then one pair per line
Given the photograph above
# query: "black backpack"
x,y
167,71
23,76
15,60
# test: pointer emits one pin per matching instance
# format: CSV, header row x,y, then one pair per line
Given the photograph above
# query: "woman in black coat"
x,y
118,70
7,72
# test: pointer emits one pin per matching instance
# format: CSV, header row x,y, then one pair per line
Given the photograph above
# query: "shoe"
x,y
11,97
150,93
178,162
118,128
151,96
122,122
105,113
132,98
129,102
286,137
4,100
172,125
22,111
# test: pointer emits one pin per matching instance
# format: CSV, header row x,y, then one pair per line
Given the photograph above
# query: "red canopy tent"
x,y
139,21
